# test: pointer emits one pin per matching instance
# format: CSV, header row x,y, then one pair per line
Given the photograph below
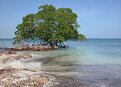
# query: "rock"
x,y
32,48
2,71
6,57
36,48
55,47
6,52
19,73
9,52
21,78
47,47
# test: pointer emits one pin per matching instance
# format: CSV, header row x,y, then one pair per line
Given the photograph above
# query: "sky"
x,y
97,18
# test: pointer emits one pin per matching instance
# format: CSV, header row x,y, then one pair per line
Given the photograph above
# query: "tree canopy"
x,y
50,25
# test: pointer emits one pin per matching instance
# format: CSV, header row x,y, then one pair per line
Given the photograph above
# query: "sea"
x,y
91,63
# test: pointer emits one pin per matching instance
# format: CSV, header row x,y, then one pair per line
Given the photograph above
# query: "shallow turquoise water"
x,y
6,42
92,51
91,63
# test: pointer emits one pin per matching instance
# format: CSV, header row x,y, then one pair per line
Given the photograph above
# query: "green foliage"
x,y
50,25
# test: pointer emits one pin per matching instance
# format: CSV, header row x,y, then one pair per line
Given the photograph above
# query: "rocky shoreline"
x,y
32,48
16,73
